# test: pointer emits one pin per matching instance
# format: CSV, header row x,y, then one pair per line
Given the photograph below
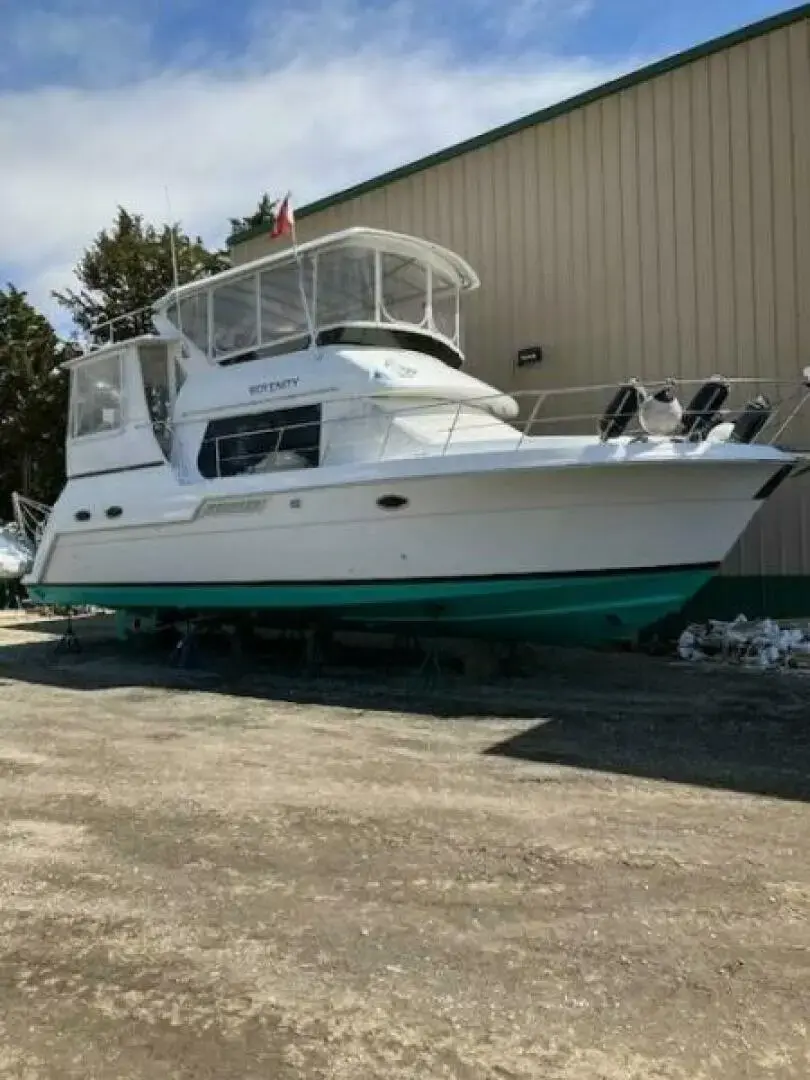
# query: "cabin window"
x,y
282,306
96,396
404,289
192,319
345,285
157,389
155,373
262,442
234,316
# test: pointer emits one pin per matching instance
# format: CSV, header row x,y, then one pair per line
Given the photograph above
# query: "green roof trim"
x,y
597,93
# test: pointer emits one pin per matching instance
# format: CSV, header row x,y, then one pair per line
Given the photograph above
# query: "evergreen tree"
x,y
264,214
33,402
126,269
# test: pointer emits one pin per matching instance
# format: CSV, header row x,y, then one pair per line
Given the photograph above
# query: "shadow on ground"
x,y
741,737
615,713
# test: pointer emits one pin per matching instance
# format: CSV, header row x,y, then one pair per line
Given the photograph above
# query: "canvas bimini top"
x,y
356,277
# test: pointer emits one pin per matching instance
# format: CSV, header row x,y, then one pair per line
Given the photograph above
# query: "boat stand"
x,y
185,647
430,667
476,660
68,642
317,640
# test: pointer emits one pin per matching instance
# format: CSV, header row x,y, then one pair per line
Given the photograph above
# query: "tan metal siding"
x,y
662,230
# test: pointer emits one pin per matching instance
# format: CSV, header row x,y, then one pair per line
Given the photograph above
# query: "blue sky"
x,y
108,102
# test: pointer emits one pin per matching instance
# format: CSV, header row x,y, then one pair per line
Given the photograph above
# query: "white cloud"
x,y
218,134
86,44
522,18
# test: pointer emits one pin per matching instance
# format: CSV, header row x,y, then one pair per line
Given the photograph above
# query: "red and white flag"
x,y
284,223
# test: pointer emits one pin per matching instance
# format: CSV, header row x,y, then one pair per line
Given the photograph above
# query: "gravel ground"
x,y
597,873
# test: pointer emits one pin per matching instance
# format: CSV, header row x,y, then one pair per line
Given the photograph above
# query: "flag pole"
x,y
287,209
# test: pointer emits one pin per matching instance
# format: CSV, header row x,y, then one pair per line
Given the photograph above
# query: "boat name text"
x,y
271,387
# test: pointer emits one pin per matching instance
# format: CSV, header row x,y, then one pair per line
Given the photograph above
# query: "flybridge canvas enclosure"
x,y
361,277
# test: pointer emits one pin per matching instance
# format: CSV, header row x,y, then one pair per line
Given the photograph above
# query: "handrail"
x,y
785,411
30,517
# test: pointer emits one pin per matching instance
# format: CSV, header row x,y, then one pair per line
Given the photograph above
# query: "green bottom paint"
x,y
567,609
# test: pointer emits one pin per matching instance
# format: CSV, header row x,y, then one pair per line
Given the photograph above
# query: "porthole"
x,y
113,511
82,515
392,502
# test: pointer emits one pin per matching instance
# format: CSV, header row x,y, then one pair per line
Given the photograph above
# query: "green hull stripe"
x,y
564,608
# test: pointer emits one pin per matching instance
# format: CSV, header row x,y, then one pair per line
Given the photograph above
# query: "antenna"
x,y
175,271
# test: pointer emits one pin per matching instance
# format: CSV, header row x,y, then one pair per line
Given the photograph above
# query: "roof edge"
x,y
624,82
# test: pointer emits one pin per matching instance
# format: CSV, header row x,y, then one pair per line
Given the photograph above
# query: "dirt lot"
x,y
602,872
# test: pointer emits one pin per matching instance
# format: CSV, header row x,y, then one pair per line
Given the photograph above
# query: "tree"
x,y
33,401
126,269
264,214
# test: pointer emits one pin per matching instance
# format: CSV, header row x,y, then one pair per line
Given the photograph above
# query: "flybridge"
x,y
366,278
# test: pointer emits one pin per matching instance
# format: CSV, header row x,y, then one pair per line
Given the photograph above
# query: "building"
x,y
657,225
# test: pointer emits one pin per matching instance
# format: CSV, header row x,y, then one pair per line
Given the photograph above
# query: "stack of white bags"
x,y
760,643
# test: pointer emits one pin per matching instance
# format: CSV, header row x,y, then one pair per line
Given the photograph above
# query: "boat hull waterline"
x,y
584,608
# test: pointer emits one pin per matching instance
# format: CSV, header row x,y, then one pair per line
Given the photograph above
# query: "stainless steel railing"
x,y
542,412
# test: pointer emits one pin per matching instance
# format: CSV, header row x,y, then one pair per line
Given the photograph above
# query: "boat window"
x,y
345,285
179,375
445,300
404,289
234,316
262,442
156,376
95,397
282,306
192,320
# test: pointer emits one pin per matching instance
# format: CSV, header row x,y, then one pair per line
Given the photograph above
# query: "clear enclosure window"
x,y
345,285
282,307
404,289
235,321
445,299
192,320
96,396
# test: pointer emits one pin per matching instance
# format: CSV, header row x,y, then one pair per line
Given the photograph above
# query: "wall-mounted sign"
x,y
530,356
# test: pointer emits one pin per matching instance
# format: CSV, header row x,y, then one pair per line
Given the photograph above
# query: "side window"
x,y
404,289
179,376
96,396
234,316
155,374
192,319
262,442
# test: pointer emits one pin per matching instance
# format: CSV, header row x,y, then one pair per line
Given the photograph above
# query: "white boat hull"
x,y
507,550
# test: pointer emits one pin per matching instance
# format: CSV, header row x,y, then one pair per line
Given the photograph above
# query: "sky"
x,y
108,102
